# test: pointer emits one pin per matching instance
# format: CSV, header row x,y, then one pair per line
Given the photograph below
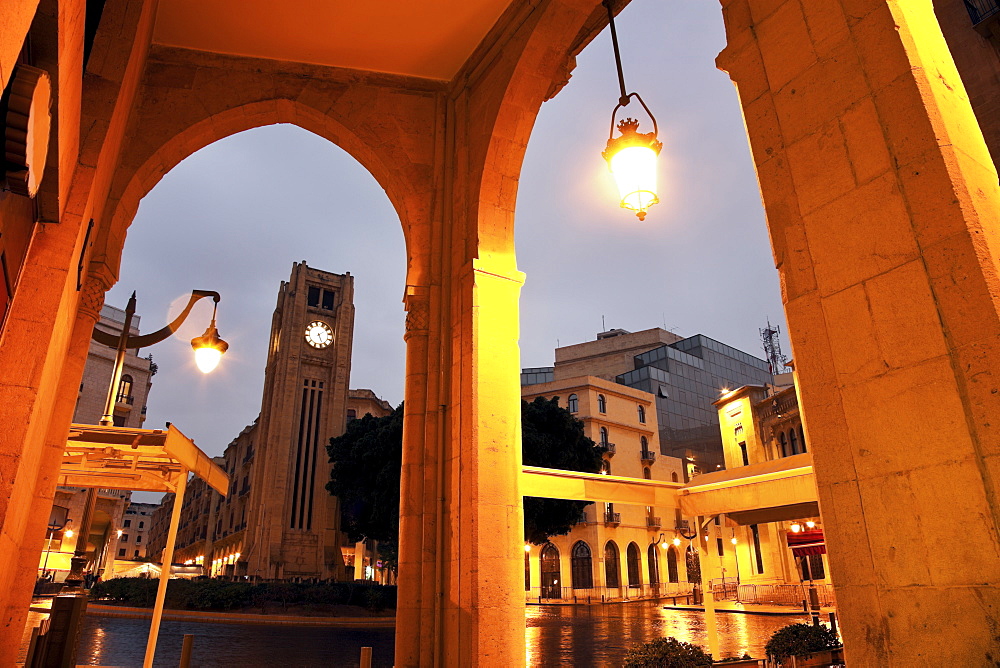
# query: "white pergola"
x,y
146,460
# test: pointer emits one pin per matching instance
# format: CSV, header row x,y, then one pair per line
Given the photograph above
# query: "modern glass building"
x,y
686,377
684,374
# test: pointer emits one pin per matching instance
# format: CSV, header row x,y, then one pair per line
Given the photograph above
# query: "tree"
x,y
551,437
367,461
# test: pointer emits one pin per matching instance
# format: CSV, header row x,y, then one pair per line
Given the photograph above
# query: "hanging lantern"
x,y
632,160
632,155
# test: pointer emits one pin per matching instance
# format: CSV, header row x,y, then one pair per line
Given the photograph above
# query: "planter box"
x,y
830,657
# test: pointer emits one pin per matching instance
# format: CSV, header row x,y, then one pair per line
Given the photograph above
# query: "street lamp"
x,y
632,155
121,343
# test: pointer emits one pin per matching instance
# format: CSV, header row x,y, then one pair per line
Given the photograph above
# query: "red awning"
x,y
806,543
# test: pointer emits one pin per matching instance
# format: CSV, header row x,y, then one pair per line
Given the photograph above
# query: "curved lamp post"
x,y
208,350
632,155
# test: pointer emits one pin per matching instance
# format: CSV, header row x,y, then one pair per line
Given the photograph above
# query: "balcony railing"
x,y
647,456
612,518
653,522
607,448
777,405
125,399
980,10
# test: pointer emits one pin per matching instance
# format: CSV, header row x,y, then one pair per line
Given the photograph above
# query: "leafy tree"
x,y
368,458
800,640
553,438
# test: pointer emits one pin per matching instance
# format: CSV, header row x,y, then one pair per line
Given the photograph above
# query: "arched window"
x,y
673,477
611,566
634,566
602,403
783,443
794,440
646,473
644,443
574,403
653,563
582,566
672,565
551,588
604,435
125,390
802,439
642,414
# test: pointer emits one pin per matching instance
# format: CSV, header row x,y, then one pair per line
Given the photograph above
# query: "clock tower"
x,y
294,524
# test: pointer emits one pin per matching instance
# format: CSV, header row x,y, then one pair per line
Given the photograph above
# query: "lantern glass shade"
x,y
207,359
634,169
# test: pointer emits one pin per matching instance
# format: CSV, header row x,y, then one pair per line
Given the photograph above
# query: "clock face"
x,y
319,334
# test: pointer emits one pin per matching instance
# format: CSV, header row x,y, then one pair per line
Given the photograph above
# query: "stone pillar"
x,y
49,458
882,205
461,577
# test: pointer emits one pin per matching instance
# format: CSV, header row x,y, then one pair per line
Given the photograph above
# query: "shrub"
x,y
800,640
667,653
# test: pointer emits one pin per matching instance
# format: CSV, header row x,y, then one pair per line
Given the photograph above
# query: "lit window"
x,y
602,403
125,390
574,403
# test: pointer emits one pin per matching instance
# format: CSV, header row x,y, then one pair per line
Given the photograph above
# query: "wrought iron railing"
x,y
607,448
600,594
980,10
612,518
647,456
653,522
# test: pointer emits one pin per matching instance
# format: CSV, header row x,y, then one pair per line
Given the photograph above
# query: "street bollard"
x,y
186,648
366,657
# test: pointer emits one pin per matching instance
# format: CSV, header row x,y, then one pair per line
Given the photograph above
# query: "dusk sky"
x,y
235,216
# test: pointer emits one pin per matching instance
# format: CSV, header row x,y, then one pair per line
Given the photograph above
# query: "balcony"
x,y
607,449
647,456
653,522
982,10
126,399
612,519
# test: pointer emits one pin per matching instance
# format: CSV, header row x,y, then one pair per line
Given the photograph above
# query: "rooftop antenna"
x,y
772,348
604,327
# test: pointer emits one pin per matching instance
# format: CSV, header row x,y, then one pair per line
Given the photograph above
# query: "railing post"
x,y
186,648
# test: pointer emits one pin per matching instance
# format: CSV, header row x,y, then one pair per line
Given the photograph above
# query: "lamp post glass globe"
x,y
208,349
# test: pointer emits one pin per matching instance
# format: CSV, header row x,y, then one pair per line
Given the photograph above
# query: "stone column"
x,y
882,205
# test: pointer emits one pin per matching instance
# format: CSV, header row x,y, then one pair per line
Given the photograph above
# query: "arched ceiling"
x,y
429,39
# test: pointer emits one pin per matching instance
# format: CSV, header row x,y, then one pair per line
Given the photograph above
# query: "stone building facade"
x,y
685,375
365,402
136,525
135,383
278,521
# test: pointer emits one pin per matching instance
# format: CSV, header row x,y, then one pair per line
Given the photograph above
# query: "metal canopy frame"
x,y
147,460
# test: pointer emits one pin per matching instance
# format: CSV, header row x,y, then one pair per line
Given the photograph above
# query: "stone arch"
x,y
188,102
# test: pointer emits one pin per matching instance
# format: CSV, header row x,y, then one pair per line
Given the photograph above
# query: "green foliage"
x,y
553,438
667,653
728,659
800,640
212,594
368,457
367,462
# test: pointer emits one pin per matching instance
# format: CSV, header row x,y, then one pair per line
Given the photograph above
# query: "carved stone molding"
x,y
92,297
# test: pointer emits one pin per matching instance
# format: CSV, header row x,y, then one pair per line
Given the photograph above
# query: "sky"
x,y
234,216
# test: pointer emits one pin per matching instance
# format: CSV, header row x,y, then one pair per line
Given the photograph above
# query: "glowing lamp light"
x,y
119,532
677,542
632,160
632,155
733,540
527,548
810,525
68,533
796,528
208,349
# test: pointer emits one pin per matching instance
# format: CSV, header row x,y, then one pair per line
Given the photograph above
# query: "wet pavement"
x,y
597,635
